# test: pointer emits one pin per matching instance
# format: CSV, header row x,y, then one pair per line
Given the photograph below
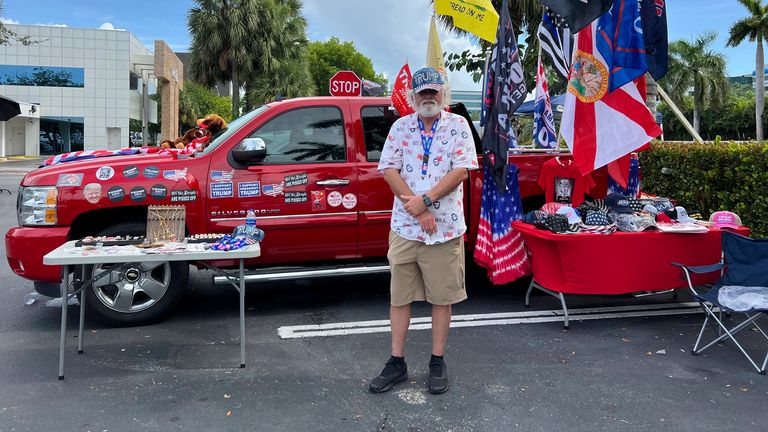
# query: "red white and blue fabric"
x,y
633,182
90,154
499,247
620,41
601,126
544,134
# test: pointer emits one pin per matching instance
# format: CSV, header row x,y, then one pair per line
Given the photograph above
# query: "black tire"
x,y
168,280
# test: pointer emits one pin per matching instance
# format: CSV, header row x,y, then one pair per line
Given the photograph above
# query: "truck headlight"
x,y
37,205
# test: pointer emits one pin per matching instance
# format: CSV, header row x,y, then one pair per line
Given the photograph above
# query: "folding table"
x,y
68,255
618,263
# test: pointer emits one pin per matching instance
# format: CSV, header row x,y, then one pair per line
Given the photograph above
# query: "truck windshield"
x,y
233,126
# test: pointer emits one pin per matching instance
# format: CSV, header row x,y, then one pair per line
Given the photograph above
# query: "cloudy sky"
x,y
387,31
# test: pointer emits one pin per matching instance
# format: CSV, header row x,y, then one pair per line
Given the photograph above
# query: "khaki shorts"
x,y
420,272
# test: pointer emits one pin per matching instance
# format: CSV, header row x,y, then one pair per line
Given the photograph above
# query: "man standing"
x,y
425,159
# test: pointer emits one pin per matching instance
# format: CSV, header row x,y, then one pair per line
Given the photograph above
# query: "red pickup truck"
x,y
315,189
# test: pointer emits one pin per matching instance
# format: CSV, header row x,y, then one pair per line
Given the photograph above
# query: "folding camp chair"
x,y
744,269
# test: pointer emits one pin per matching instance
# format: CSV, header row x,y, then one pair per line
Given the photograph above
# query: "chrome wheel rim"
x,y
133,287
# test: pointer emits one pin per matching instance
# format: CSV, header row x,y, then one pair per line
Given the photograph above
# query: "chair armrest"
x,y
700,269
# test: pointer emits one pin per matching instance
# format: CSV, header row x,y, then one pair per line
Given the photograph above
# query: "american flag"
x,y
499,248
90,154
273,190
633,183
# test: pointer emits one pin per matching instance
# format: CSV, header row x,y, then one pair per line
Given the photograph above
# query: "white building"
x,y
85,85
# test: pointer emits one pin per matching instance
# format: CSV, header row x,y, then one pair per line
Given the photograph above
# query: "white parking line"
x,y
494,319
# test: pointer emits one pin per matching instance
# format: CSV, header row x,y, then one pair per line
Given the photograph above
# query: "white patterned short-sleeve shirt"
x,y
452,147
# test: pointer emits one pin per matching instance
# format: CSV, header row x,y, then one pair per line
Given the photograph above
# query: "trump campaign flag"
x,y
620,42
601,126
505,91
578,13
402,85
654,19
543,121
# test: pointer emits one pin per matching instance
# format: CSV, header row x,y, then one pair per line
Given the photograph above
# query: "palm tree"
x,y
693,65
279,47
222,34
754,27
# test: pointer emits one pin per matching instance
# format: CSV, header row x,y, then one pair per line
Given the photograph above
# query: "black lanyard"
x,y
426,144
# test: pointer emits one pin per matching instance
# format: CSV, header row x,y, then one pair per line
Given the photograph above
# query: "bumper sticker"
x,y
138,194
151,172
92,192
349,201
296,180
183,195
218,176
116,194
158,191
318,200
334,198
272,190
174,174
296,197
222,190
70,180
130,171
105,173
249,189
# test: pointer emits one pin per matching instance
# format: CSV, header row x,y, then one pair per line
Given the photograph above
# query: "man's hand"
x,y
413,204
427,222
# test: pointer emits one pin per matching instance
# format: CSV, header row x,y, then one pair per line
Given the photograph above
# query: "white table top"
x,y
68,254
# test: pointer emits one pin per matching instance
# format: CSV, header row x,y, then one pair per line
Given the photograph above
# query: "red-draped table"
x,y
619,263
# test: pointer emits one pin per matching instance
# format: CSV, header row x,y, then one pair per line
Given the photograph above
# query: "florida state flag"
x,y
402,85
600,127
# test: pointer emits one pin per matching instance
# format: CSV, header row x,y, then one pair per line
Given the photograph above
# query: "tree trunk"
x,y
235,92
652,94
696,119
759,88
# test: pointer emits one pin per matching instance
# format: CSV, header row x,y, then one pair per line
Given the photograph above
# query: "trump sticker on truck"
x,y
222,190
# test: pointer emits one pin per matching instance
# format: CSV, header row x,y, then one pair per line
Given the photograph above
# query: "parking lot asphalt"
x,y
510,372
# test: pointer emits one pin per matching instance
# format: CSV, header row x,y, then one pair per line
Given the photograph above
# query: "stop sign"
x,y
345,83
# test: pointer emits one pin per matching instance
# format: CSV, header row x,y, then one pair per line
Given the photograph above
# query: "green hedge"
x,y
711,177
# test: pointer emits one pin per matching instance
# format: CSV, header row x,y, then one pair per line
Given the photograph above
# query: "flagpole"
x,y
679,114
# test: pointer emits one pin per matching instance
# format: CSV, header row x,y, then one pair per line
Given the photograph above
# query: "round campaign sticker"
x,y
151,172
116,194
334,199
138,194
105,173
158,191
130,171
349,201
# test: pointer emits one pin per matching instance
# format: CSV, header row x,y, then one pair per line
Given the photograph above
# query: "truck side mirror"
x,y
250,151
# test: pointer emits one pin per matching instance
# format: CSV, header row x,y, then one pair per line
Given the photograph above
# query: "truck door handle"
x,y
333,182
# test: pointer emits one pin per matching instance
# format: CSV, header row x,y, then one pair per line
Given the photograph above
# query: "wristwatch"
x,y
427,201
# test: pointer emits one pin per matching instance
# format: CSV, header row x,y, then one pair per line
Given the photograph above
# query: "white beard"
x,y
428,109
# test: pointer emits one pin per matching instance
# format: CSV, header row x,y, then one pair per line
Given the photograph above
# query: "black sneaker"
x,y
438,377
393,373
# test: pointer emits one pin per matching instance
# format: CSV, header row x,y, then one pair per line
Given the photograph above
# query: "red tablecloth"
x,y
618,263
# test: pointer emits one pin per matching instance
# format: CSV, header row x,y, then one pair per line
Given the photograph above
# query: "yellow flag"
x,y
475,16
434,50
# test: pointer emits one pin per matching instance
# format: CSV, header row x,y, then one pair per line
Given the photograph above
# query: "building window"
x,y
42,76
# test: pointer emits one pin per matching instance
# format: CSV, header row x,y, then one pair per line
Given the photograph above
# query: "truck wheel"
x,y
139,294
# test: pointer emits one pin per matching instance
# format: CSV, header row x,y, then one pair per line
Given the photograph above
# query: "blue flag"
x,y
504,92
620,41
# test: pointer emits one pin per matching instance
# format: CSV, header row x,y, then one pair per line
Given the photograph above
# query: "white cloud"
x,y
50,24
109,26
387,32
8,21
